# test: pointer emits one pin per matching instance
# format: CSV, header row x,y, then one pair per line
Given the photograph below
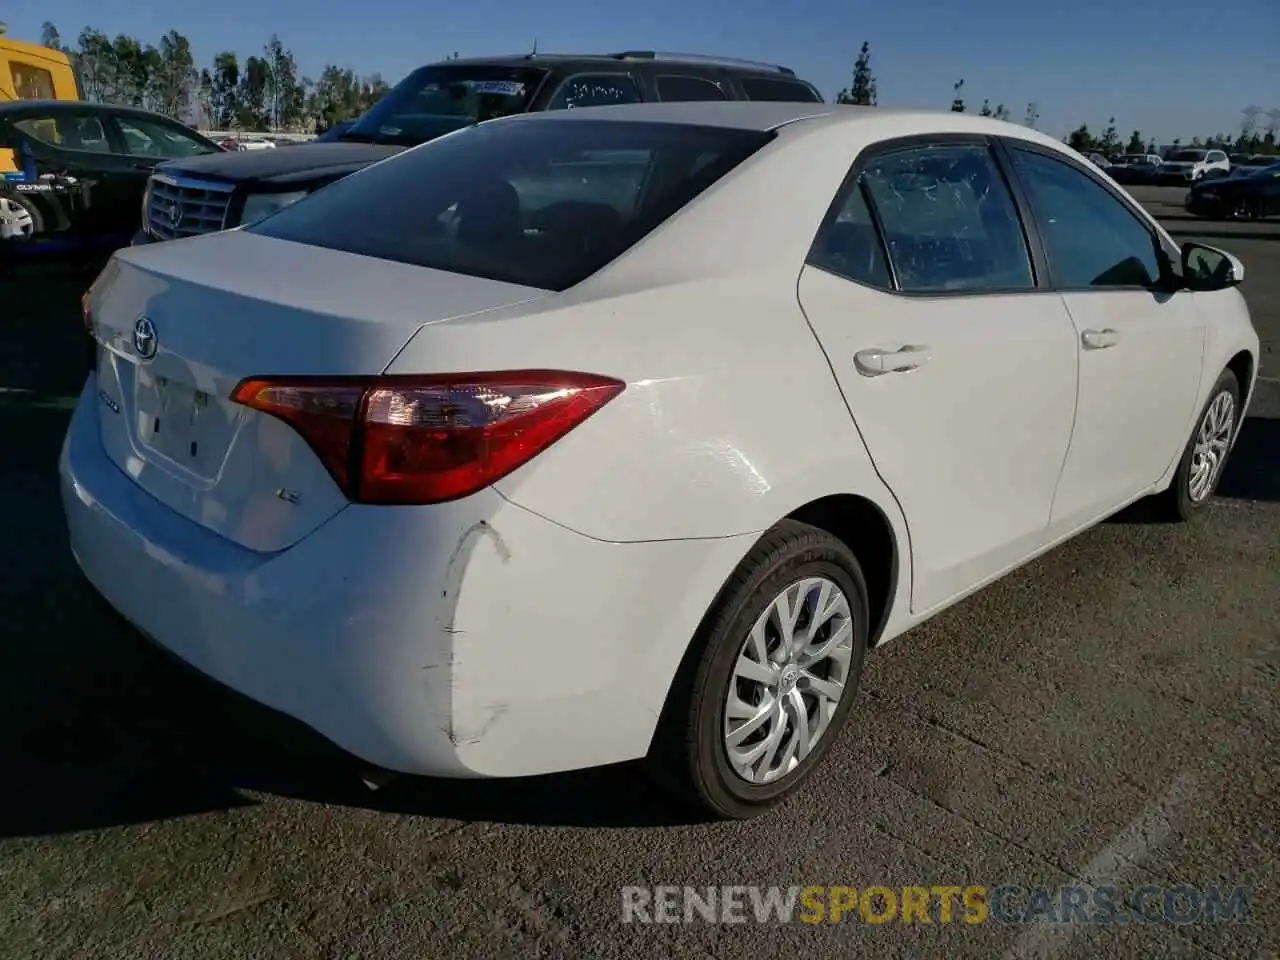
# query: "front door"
x,y
1141,347
959,370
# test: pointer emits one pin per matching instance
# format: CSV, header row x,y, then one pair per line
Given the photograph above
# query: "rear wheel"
x,y
780,660
1205,457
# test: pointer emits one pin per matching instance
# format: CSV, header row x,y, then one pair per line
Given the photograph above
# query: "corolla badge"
x,y
145,342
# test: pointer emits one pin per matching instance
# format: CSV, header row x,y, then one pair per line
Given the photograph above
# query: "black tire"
x,y
689,754
1176,503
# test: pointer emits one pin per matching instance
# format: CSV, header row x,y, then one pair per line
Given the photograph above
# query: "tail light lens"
x,y
428,439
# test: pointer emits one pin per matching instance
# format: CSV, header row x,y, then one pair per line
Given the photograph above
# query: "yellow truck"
x,y
29,71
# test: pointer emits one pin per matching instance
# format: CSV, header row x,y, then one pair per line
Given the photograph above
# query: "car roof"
x,y
768,115
75,106
630,57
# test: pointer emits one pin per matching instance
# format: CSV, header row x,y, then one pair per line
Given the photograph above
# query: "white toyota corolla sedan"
x,y
623,432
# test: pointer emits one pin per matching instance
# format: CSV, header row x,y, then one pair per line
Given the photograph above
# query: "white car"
x,y
636,454
1193,165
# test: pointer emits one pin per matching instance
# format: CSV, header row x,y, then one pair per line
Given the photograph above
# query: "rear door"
x,y
1141,347
958,365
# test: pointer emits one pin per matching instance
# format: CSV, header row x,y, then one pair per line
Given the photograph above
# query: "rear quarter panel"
x,y
731,418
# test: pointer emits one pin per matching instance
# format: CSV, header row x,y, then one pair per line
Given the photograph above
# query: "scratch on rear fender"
x,y
460,735
445,621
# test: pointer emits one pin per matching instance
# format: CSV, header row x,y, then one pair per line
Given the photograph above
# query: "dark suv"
x,y
204,194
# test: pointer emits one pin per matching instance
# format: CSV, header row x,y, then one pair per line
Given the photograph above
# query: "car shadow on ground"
x,y
1252,473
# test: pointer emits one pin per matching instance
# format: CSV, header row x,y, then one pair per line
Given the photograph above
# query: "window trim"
x,y
636,82
853,180
1165,258
725,95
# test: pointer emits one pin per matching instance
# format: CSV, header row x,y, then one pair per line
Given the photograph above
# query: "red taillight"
x,y
428,439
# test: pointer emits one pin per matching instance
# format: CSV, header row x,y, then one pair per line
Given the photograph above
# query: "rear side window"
x,y
595,90
784,91
949,219
539,202
673,89
67,132
849,246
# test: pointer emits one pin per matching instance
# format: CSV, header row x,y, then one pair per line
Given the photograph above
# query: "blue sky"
x,y
1174,69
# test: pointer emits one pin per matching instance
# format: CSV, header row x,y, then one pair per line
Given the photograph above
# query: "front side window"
x,y
433,101
781,91
67,132
538,202
1090,237
595,90
673,89
949,219
31,82
146,138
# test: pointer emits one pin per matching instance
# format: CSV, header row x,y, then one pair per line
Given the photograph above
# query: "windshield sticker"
x,y
509,88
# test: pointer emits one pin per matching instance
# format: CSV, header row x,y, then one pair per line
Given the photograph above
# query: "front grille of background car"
x,y
201,205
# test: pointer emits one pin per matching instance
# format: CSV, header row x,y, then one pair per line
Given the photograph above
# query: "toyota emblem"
x,y
144,338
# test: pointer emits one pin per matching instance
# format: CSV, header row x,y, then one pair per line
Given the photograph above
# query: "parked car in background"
x,y
1250,193
477,463
1188,166
82,172
1256,161
246,143
217,193
1134,169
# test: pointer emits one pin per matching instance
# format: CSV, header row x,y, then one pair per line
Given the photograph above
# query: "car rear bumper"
x,y
466,639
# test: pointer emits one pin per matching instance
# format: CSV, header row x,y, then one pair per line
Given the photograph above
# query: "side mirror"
x,y
1208,268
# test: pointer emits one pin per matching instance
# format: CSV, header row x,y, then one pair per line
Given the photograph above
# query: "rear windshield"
x,y
1188,156
543,203
433,101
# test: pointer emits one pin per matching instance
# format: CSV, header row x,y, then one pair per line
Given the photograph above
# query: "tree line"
x,y
1258,132
266,92
262,93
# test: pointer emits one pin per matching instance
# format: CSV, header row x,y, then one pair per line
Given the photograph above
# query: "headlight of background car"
x,y
259,205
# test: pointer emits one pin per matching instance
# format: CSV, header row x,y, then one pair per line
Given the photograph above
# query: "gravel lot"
x,y
1108,713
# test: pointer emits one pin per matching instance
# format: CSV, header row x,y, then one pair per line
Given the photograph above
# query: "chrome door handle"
x,y
874,362
1099,339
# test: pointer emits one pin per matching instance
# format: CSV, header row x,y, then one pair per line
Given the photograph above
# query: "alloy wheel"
x,y
788,680
1212,443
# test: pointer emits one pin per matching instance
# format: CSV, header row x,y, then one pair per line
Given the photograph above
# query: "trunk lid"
x,y
179,324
